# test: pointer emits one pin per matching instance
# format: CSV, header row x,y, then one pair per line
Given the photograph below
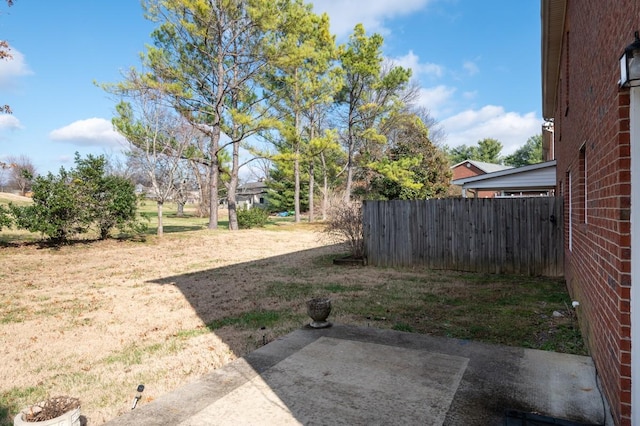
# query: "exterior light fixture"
x,y
630,64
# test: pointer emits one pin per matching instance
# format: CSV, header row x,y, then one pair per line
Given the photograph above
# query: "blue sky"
x,y
478,63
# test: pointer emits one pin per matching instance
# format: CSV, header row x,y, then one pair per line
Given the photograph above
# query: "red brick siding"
x,y
592,112
462,171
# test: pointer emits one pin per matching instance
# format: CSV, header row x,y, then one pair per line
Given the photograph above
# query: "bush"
x,y
56,210
252,218
5,218
345,226
75,201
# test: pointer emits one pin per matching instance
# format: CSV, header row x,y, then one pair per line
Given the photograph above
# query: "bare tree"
x,y
158,141
4,175
21,174
437,134
260,169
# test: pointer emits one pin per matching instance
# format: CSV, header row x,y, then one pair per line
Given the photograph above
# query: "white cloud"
x,y
471,67
469,96
436,99
89,132
9,122
411,60
11,69
345,14
510,128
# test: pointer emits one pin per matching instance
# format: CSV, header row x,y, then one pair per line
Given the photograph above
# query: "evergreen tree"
x,y
529,153
413,167
369,94
487,150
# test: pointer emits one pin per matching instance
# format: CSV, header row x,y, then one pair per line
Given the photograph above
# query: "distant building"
x,y
534,180
251,194
471,168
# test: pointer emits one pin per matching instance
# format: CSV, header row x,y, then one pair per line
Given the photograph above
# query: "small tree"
x,y
56,211
158,139
110,201
74,201
345,226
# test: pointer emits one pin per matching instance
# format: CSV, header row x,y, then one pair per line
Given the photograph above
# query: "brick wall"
x,y
592,136
466,170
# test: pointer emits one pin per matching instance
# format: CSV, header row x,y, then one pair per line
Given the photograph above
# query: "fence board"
x,y
495,235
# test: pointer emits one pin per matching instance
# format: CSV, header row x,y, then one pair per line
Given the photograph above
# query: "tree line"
x,y
267,78
490,151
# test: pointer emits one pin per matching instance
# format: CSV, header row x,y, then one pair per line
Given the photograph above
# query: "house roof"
x,y
252,188
253,185
485,167
541,176
553,16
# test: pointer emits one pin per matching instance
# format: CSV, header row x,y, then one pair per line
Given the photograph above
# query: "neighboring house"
x,y
535,180
250,194
597,148
470,168
192,197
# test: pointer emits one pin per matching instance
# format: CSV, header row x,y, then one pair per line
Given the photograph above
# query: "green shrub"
x,y
252,218
77,200
5,218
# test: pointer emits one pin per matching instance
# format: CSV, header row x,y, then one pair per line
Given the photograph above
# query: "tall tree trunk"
x,y
296,169
213,179
215,145
233,187
325,190
296,192
350,153
311,191
347,190
312,135
204,180
160,225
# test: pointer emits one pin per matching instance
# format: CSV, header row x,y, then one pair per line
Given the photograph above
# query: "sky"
x,y
477,63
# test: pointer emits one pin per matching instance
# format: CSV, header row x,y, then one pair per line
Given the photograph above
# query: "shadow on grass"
x,y
259,300
250,304
174,226
264,299
48,244
5,417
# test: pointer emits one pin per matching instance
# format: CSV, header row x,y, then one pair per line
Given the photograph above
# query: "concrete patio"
x,y
353,375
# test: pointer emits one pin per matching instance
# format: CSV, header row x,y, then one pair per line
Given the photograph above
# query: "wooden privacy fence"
x,y
494,235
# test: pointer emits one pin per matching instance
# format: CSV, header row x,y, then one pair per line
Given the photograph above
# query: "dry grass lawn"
x,y
93,320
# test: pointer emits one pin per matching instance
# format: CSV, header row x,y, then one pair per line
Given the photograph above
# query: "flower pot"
x,y
319,309
70,417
